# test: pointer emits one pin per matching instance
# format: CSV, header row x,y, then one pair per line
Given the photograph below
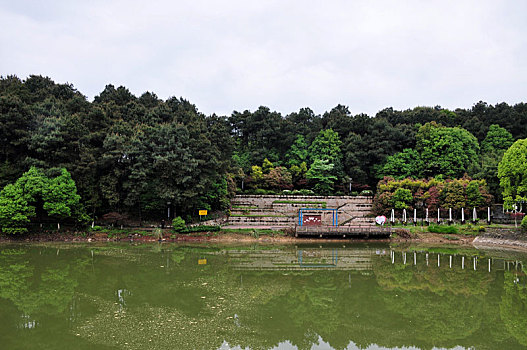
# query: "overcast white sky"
x,y
236,55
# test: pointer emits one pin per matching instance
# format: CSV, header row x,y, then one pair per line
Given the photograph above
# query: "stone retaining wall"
x,y
284,209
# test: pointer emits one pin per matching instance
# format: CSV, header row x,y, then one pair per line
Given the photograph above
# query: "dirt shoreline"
x,y
180,238
492,239
481,242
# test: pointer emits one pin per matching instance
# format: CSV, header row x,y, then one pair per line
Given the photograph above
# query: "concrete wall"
x,y
268,210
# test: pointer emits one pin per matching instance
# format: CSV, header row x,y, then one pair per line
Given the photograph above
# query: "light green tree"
x,y
14,210
497,138
404,164
320,173
446,151
402,198
512,172
326,146
33,193
256,173
298,152
267,165
60,197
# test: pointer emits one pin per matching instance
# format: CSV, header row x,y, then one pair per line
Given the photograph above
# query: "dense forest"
x,y
141,155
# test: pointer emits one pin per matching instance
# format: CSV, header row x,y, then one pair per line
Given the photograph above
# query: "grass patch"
x,y
471,230
466,229
257,216
443,229
323,204
242,207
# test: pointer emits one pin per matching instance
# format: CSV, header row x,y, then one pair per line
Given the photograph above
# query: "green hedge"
x,y
524,223
442,229
323,204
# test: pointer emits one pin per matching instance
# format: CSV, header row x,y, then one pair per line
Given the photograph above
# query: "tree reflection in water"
x,y
257,297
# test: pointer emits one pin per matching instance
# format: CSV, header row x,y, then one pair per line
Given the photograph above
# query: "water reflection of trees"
x,y
36,287
171,301
513,306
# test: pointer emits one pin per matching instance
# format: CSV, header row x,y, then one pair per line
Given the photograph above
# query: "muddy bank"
x,y
506,237
435,238
498,237
480,242
214,237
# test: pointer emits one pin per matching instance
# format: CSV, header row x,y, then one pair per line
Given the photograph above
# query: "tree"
x,y
178,224
497,141
256,174
355,158
326,146
267,166
446,151
320,173
404,164
32,194
453,195
60,197
474,196
15,121
497,138
298,173
298,152
402,198
15,211
338,119
368,145
512,172
279,178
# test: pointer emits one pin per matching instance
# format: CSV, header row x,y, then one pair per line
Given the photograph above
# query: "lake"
x,y
207,296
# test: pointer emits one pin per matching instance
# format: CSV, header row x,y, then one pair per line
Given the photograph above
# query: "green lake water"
x,y
169,296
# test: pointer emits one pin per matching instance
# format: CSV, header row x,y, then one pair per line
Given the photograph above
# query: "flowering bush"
x,y
524,224
432,194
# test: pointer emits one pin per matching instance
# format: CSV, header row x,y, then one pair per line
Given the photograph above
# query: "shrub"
x,y
306,192
158,233
442,229
366,193
178,224
402,198
524,224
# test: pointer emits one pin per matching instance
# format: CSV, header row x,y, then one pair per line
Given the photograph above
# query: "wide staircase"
x,y
283,211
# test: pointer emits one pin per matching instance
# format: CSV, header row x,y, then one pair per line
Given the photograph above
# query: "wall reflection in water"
x,y
261,297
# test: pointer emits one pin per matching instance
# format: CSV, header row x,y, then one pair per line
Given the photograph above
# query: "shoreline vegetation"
x,y
494,236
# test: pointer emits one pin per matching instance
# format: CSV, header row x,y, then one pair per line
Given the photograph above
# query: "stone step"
x,y
259,211
264,219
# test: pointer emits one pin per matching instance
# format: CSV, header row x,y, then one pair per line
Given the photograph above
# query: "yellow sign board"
x,y
202,212
202,261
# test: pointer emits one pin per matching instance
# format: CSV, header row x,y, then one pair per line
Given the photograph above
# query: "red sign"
x,y
312,220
